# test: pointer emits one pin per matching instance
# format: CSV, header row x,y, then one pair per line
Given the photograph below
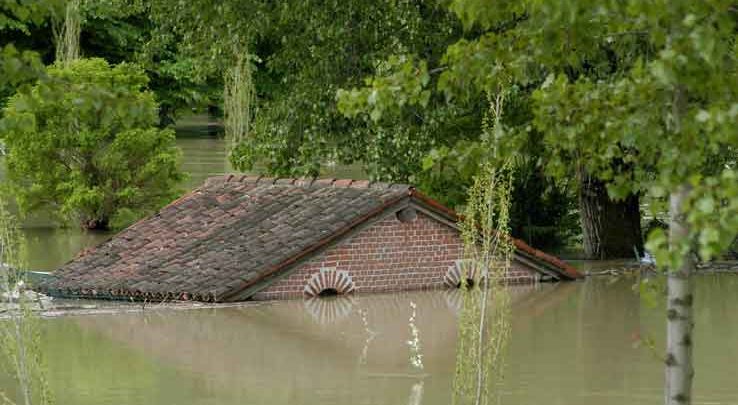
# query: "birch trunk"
x,y
679,370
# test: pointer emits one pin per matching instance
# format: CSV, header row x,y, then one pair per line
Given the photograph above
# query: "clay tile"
x,y
360,184
343,183
396,186
230,177
324,182
305,181
289,180
251,179
379,185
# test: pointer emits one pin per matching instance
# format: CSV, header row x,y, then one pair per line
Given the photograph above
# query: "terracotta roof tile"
x,y
227,233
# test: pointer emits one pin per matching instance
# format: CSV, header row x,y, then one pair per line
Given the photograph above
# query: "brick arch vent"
x,y
329,279
453,276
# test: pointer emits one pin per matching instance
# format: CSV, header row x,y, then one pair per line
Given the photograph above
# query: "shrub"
x,y
83,143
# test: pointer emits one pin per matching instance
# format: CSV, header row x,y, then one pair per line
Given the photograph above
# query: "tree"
x,y
206,44
118,31
438,95
67,29
19,348
300,53
666,112
18,65
484,319
309,50
637,95
84,144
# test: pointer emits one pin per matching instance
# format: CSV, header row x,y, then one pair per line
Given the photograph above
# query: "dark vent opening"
x,y
328,292
469,283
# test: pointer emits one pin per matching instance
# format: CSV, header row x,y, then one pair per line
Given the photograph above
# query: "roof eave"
x,y
544,260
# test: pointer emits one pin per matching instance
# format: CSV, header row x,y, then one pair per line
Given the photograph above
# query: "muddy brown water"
x,y
572,343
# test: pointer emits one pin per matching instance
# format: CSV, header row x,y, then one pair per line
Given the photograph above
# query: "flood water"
x,y
572,343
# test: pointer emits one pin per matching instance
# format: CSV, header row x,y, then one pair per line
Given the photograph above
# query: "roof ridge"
x,y
308,182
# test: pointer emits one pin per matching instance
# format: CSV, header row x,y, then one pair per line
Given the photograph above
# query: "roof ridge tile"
x,y
310,182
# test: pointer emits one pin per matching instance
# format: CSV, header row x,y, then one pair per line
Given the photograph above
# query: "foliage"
x,y
238,99
192,49
125,31
21,15
118,31
18,66
310,50
83,143
416,95
647,85
668,113
19,330
302,54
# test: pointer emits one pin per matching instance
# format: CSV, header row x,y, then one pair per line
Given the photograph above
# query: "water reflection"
x,y
571,344
327,310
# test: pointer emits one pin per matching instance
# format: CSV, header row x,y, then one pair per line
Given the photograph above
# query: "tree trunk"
x,y
679,371
90,224
611,229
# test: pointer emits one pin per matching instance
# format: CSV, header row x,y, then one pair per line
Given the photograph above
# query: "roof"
x,y
235,231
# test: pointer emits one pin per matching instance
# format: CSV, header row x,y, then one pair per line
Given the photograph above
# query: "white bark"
x,y
679,370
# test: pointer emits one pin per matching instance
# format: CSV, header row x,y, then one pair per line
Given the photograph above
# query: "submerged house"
x,y
237,238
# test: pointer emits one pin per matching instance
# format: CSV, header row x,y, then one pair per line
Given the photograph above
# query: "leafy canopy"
x,y
83,143
433,95
646,86
669,110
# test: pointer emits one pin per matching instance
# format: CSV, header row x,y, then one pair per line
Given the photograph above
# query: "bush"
x,y
84,143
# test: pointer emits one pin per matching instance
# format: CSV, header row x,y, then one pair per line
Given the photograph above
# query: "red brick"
x,y
388,256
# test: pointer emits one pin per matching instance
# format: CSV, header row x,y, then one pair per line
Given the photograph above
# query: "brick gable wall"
x,y
389,255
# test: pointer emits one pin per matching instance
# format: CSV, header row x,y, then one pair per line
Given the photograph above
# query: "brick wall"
x,y
389,255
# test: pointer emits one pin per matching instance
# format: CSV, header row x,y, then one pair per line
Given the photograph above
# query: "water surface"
x,y
572,343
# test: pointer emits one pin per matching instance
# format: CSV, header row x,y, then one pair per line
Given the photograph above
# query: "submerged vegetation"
x,y
20,350
484,321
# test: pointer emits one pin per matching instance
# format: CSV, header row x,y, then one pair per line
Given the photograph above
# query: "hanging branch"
x,y
67,33
238,97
